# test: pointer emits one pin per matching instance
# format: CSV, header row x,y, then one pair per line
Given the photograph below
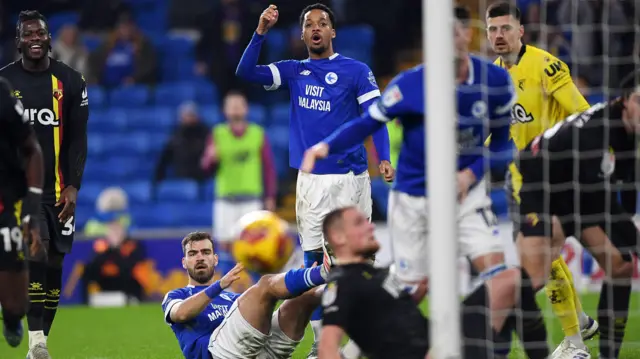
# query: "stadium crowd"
x,y
152,64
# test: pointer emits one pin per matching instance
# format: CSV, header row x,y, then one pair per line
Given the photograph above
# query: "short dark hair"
x,y
503,8
630,83
28,15
462,14
195,237
318,6
331,220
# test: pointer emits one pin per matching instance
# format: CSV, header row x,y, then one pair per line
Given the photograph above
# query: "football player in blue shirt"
x,y
485,96
210,322
326,90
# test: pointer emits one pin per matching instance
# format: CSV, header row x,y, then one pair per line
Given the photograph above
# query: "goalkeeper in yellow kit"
x,y
546,95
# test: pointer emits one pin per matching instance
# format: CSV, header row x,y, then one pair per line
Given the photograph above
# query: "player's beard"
x,y
200,276
318,50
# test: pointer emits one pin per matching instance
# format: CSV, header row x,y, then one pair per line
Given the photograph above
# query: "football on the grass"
x,y
264,243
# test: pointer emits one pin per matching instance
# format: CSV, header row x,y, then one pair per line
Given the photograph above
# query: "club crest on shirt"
x,y
331,78
479,109
372,79
57,94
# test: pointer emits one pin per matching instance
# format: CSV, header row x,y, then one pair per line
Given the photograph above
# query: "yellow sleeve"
x,y
558,83
570,98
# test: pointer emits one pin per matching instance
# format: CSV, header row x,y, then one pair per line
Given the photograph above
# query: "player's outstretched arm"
x,y
194,305
330,340
248,67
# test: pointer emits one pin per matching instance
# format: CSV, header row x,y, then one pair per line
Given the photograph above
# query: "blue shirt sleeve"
x,y
501,148
368,92
390,105
170,299
271,76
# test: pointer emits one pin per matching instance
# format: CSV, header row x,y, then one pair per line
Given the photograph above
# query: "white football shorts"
x,y
317,195
227,213
237,339
408,221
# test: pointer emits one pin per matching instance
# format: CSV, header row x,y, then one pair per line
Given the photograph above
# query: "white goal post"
x,y
441,154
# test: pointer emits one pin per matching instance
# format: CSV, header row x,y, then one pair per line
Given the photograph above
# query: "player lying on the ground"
x,y
356,289
18,146
485,96
546,95
211,323
567,173
326,90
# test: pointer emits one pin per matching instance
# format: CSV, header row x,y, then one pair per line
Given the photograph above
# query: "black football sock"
x,y
37,285
11,320
54,282
476,325
613,311
529,322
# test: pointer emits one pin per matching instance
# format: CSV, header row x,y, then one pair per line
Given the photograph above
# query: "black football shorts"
x,y
58,234
12,243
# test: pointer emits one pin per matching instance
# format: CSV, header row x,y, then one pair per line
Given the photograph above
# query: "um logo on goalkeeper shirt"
x,y
553,69
532,219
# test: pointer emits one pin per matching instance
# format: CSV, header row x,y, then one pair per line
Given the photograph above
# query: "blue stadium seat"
x,y
106,121
152,119
129,144
178,68
360,54
173,94
198,214
211,115
97,171
56,21
138,191
121,169
178,191
95,145
91,42
278,137
97,97
281,158
257,114
152,215
82,214
280,114
209,190
130,96
360,37
179,46
159,140
277,44
206,93
90,192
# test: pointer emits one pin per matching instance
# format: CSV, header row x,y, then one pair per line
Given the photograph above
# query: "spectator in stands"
x,y
245,176
118,265
111,205
68,48
222,42
182,151
127,57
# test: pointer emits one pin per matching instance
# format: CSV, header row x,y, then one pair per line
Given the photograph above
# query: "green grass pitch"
x,y
140,333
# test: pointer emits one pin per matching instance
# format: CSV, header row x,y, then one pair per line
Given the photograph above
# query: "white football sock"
x,y
350,350
584,320
316,325
36,337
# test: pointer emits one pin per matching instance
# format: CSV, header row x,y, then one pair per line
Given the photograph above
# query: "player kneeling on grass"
x,y
567,173
211,323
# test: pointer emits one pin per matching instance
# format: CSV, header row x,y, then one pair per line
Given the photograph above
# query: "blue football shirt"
x,y
193,336
324,94
484,104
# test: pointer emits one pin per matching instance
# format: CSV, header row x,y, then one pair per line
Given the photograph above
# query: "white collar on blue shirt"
x,y
470,74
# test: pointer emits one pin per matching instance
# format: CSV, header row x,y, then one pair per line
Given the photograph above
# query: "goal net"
x,y
599,42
